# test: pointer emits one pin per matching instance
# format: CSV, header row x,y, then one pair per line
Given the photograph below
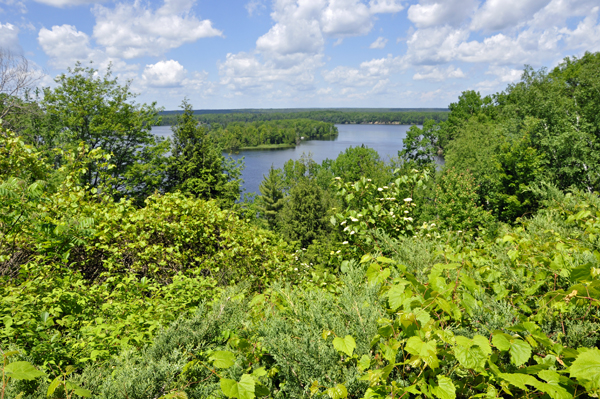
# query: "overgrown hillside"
x,y
130,268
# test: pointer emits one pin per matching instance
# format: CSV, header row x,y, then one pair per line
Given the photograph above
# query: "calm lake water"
x,y
385,139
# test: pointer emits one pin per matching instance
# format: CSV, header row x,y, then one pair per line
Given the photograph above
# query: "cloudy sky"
x,y
302,53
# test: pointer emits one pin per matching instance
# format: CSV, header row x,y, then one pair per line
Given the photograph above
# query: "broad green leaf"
x,y
388,352
470,357
587,367
445,388
422,316
337,392
52,387
582,273
223,359
314,388
345,345
229,387
520,352
88,394
395,297
427,351
555,391
519,380
551,377
22,371
386,331
261,391
491,392
501,341
365,258
240,390
364,362
376,275
483,343
259,372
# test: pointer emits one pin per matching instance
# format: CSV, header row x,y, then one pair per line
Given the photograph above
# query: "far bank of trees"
x,y
329,116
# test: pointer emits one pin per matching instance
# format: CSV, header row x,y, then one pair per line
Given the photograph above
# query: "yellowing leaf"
x,y
345,345
337,392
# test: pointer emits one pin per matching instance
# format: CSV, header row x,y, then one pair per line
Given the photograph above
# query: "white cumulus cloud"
x,y
9,37
502,14
64,45
133,30
164,74
245,71
379,43
68,3
343,18
385,6
430,13
505,74
586,36
439,74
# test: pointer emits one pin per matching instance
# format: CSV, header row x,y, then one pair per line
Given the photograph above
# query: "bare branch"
x,y
16,79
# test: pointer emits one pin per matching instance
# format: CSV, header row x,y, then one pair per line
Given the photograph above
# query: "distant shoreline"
x,y
355,123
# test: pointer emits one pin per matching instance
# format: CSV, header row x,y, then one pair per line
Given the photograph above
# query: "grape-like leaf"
x,y
345,345
395,297
239,390
22,371
223,359
445,388
587,367
520,352
337,392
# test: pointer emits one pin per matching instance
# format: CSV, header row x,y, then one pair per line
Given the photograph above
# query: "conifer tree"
x,y
304,215
271,200
197,166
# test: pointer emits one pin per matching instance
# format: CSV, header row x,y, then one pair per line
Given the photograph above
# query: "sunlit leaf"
x,y
345,345
223,359
22,371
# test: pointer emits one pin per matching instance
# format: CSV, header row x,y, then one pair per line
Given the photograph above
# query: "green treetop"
x,y
271,200
197,166
97,110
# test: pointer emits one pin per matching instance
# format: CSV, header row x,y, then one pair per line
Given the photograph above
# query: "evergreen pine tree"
x,y
304,215
271,200
197,166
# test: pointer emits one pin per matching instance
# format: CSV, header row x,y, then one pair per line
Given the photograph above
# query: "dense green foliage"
x,y
328,116
542,129
475,277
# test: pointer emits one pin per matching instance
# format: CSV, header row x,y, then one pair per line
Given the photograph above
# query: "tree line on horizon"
x,y
328,116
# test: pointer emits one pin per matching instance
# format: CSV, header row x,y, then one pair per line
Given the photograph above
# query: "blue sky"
x,y
301,53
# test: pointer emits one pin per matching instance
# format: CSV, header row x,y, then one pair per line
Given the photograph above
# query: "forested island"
x,y
234,136
131,268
